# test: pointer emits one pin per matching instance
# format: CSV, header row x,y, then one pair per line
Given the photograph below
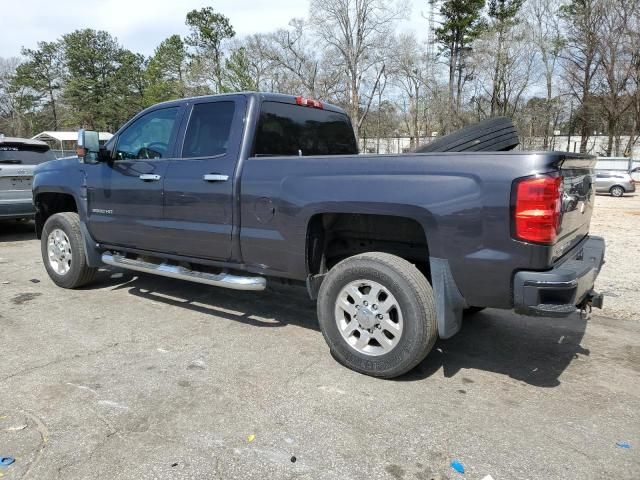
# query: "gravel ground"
x,y
141,377
618,221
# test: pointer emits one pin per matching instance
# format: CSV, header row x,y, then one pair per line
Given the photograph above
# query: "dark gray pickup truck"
x,y
232,190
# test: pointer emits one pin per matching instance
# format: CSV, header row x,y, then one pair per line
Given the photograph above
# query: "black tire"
x,y
473,310
79,272
493,135
617,191
415,299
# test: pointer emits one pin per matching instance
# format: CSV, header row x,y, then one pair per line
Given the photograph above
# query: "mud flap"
x,y
94,256
449,302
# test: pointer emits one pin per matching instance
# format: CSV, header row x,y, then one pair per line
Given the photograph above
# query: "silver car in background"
x,y
18,158
616,183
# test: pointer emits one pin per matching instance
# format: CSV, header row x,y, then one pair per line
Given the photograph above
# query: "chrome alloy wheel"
x,y
369,317
59,251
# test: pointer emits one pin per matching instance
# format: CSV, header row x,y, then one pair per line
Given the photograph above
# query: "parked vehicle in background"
x,y
615,183
18,158
232,190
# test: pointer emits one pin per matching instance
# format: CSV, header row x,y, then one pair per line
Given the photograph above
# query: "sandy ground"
x,y
142,377
618,221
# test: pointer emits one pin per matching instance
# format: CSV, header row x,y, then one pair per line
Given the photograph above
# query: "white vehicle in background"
x,y
615,183
18,158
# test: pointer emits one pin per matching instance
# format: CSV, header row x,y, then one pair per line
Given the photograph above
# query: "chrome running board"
x,y
222,279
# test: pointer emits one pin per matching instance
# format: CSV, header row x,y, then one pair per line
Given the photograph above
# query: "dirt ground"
x,y
618,221
142,377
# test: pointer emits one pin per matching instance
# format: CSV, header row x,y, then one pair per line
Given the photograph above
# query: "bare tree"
x,y
409,67
582,60
616,54
633,30
359,32
544,25
505,68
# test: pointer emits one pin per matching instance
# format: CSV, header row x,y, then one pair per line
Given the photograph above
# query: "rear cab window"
x,y
286,129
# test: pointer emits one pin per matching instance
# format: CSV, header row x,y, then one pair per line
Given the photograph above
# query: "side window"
x,y
148,137
209,130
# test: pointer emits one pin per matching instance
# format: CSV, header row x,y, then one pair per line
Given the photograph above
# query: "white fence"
x,y
617,163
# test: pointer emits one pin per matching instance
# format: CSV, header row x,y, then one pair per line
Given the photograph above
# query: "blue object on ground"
x,y
457,466
623,444
6,461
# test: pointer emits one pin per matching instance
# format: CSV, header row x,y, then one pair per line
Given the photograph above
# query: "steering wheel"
x,y
153,150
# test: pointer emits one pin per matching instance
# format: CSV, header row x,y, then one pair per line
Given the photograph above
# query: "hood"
x,y
58,164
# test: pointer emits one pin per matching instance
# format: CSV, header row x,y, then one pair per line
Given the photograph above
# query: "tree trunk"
x,y
453,60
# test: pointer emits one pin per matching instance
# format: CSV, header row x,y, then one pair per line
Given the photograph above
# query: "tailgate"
x,y
578,198
15,182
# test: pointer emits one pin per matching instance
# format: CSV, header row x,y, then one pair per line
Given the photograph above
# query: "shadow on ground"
x,y
16,231
533,350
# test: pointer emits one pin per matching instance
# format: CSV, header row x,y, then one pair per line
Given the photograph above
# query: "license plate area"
x,y
15,183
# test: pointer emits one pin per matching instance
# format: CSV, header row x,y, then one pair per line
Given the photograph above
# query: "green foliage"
x,y
462,23
504,12
42,75
166,74
237,73
208,30
104,82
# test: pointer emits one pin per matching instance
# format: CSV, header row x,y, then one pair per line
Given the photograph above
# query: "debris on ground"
x,y
15,428
457,466
251,438
623,444
6,461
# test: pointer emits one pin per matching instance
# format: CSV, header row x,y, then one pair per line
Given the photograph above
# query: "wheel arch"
x,y
49,203
334,235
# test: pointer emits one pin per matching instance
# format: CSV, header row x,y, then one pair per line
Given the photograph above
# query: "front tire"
x,y
63,251
616,191
377,314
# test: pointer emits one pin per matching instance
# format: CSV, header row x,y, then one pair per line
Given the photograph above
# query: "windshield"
x,y
24,155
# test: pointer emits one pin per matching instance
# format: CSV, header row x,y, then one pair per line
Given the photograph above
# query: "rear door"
x,y
125,204
198,187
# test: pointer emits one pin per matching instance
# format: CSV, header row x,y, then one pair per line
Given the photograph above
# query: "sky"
x,y
140,25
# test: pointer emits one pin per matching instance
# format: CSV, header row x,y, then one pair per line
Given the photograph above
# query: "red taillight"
x,y
538,206
307,102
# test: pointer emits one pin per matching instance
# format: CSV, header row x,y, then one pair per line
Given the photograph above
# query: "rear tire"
x,y
616,191
63,251
493,135
390,301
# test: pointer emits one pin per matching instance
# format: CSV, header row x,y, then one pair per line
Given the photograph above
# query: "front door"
x,y
125,202
198,186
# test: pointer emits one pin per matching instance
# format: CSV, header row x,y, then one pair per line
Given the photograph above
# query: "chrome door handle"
x,y
215,177
149,177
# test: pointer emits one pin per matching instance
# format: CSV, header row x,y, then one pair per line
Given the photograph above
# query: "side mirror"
x,y
88,145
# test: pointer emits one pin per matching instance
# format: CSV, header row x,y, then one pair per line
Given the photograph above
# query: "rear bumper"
x,y
17,209
558,292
